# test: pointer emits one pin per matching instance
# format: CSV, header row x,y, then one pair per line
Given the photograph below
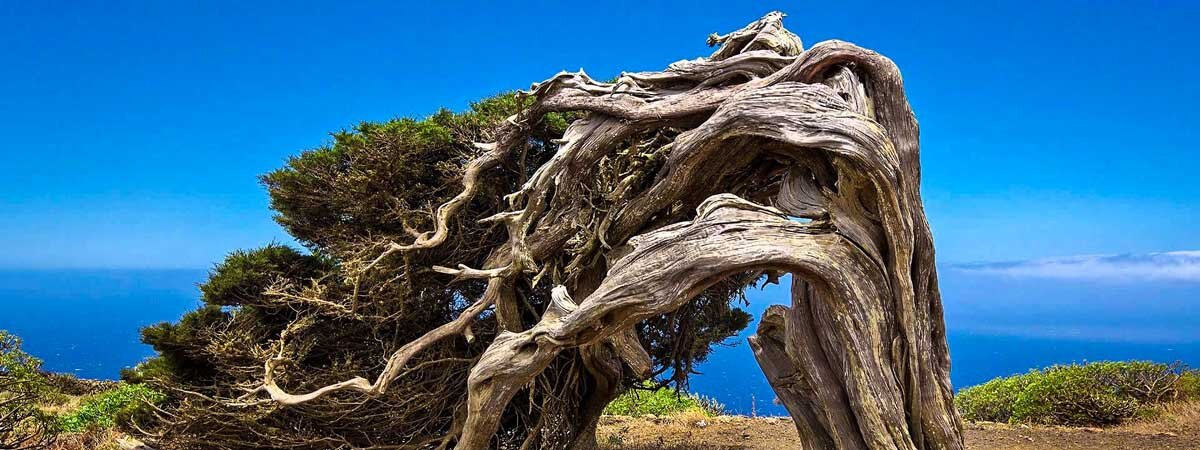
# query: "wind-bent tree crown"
x,y
494,278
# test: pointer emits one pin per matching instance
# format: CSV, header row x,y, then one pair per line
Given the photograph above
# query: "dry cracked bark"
x,y
763,158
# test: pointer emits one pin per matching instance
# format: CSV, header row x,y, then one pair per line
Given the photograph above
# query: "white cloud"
x,y
1092,333
1169,266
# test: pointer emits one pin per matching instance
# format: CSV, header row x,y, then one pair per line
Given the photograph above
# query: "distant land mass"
x,y
1002,318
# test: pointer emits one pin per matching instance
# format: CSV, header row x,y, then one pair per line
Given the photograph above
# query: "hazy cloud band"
x,y
1177,266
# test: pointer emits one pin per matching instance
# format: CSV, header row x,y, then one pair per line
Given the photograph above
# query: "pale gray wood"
x,y
757,134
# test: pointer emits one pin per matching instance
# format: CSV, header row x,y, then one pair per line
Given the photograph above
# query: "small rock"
x,y
129,443
701,424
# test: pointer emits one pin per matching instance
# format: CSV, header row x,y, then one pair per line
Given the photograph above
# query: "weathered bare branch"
x,y
669,183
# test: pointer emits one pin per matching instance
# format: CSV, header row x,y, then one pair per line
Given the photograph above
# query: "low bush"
x,y
648,399
105,409
23,391
69,384
1102,393
1189,385
150,369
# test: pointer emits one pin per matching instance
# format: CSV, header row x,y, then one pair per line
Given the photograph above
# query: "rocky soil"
x,y
1178,428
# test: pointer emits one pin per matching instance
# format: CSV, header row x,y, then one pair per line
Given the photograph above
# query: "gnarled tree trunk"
x,y
763,158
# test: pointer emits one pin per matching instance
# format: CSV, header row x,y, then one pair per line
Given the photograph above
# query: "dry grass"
x,y
694,431
88,440
67,404
1172,417
1176,427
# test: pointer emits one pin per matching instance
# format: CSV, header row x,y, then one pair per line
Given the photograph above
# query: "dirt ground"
x,y
1177,429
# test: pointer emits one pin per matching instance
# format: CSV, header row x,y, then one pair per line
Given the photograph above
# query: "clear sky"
x,y
133,131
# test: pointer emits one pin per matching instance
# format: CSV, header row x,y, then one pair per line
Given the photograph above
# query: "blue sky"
x,y
133,131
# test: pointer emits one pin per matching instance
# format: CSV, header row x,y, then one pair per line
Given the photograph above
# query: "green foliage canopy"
x,y
372,184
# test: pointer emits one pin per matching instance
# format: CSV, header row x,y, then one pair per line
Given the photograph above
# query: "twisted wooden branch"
x,y
640,199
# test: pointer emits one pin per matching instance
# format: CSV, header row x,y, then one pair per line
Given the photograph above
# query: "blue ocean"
x,y
86,322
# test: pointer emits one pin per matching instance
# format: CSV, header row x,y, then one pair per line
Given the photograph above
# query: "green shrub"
x,y
69,384
647,399
1074,395
992,401
1102,393
106,409
1189,385
23,390
150,369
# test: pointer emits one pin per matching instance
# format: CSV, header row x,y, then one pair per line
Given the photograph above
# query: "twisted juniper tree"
x,y
494,278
